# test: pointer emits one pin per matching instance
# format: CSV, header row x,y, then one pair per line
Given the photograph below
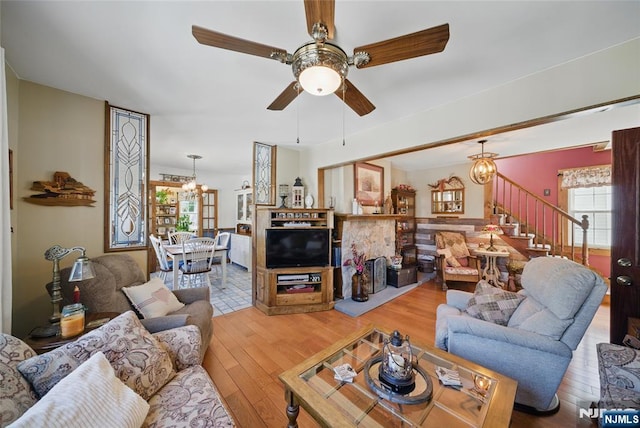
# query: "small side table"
x,y
491,272
45,344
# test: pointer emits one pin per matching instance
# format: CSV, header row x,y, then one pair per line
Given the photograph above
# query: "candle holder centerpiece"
x,y
396,368
394,373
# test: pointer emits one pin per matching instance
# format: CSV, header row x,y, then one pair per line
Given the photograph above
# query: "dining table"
x,y
176,251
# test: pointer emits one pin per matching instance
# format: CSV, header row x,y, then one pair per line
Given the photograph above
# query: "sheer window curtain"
x,y
5,213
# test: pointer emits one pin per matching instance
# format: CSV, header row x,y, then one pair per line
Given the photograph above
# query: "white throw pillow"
x,y
91,396
152,299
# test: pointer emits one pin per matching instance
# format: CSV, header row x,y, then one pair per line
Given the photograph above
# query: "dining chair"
x,y
180,237
197,255
221,250
166,266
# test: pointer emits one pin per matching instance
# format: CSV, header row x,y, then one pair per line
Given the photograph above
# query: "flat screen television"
x,y
288,247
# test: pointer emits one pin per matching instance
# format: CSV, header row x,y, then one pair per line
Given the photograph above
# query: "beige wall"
x,y
57,131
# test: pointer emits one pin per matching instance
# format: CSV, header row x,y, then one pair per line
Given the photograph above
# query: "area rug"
x,y
355,309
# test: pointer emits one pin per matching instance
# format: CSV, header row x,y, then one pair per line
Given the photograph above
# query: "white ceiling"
x,y
141,55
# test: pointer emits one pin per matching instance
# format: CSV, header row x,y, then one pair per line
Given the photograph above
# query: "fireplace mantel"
x,y
369,217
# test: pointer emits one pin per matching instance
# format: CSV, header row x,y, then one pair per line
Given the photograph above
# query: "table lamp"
x,y
82,269
492,228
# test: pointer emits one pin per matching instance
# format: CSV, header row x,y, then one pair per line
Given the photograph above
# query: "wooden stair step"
x,y
524,236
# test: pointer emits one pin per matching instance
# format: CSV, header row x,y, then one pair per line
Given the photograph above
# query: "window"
x,y
595,202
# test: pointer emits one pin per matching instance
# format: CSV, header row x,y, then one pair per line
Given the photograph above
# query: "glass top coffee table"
x,y
333,403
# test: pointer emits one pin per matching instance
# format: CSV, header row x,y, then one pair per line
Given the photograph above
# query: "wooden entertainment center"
x,y
292,289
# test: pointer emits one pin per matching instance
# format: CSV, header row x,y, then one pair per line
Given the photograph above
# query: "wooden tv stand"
x,y
292,289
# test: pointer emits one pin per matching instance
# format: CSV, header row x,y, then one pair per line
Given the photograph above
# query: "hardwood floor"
x,y
249,350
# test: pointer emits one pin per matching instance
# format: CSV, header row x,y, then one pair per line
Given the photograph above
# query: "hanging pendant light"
x,y
191,187
484,168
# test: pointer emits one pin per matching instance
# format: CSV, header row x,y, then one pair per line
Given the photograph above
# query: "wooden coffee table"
x,y
332,403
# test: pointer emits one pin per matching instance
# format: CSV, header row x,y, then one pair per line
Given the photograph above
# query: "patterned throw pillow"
x,y
153,299
619,366
91,396
136,356
493,304
451,261
454,241
16,395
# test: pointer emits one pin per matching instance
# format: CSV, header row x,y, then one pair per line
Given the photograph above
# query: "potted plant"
x,y
359,291
162,196
183,224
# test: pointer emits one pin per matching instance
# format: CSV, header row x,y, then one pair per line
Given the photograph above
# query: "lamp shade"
x,y
492,228
82,269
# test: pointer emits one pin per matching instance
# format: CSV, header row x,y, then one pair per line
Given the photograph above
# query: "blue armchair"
x,y
536,345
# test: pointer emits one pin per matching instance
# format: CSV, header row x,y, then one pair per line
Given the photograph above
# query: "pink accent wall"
x,y
539,171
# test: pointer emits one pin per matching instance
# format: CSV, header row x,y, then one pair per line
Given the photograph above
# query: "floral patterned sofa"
x,y
116,375
619,369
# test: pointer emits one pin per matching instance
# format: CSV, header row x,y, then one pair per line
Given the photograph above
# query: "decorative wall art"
x,y
447,196
64,190
126,179
369,184
264,174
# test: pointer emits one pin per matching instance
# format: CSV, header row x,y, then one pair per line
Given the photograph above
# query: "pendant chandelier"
x,y
191,187
484,168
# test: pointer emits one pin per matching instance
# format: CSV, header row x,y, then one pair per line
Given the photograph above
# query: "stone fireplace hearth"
x,y
373,235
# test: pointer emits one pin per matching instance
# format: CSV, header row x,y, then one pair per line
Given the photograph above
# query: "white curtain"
x,y
591,176
5,213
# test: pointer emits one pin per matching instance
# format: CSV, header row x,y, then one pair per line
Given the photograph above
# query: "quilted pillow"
x,y
136,356
153,299
451,261
493,304
16,395
454,241
91,396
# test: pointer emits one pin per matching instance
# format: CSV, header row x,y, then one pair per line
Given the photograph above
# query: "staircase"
x,y
536,227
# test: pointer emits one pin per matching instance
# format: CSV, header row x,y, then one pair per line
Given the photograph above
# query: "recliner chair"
x,y
104,294
537,344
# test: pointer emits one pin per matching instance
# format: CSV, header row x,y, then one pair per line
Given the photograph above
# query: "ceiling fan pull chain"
x,y
344,90
298,118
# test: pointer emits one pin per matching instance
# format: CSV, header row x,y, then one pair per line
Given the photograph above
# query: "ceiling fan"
x,y
321,67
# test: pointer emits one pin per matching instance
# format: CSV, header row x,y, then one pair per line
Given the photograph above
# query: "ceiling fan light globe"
x,y
320,80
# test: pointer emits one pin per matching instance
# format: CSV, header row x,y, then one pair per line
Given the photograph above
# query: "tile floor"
x,y
234,295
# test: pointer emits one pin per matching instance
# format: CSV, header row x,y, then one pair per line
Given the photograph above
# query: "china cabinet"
x,y
240,252
404,202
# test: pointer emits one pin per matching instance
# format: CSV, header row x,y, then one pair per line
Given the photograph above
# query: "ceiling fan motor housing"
x,y
328,58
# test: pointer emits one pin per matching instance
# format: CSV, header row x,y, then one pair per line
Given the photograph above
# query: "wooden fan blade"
x,y
412,45
320,11
284,99
355,99
213,38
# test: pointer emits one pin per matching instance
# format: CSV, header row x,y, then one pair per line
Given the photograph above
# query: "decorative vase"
x,y
308,202
359,291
